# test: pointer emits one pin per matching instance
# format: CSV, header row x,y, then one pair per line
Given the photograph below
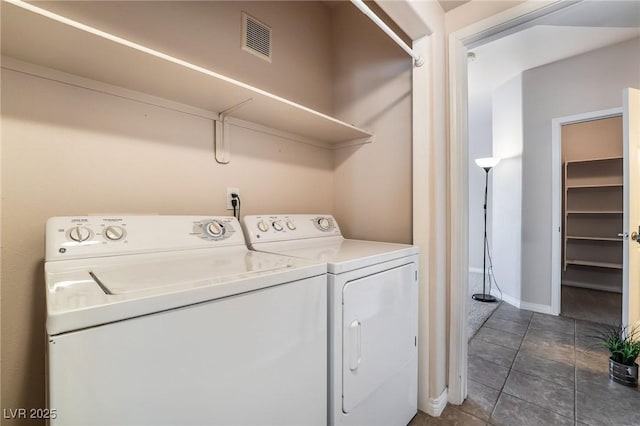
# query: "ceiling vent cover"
x,y
256,37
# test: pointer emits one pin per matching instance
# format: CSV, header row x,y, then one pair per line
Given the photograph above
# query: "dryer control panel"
x,y
264,228
77,237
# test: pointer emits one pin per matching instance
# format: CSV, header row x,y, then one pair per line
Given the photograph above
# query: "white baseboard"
x,y
437,405
506,298
475,270
535,307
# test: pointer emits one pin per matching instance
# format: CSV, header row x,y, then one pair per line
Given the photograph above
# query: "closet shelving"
x,y
593,213
35,35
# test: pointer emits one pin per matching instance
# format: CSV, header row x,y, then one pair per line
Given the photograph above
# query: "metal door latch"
x,y
634,236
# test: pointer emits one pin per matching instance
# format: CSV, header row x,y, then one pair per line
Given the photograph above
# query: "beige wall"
x,y
592,139
71,151
68,150
372,89
208,33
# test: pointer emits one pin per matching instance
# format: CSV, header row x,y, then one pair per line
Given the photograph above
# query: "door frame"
x,y
556,194
511,20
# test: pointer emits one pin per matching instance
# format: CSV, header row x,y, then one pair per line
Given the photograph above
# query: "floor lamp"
x,y
487,164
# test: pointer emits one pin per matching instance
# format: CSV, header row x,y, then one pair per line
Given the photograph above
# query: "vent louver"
x,y
256,37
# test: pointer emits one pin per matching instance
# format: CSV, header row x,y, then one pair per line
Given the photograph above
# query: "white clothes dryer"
x,y
172,320
373,315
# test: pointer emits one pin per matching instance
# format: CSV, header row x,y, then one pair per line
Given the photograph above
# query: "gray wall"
x,y
588,82
506,205
480,129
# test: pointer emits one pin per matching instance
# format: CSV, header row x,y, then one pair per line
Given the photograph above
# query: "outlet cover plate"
x,y
229,192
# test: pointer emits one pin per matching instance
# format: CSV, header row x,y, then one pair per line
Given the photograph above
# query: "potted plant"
x,y
624,345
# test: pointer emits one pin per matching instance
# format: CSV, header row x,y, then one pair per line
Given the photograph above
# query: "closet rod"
x,y
417,59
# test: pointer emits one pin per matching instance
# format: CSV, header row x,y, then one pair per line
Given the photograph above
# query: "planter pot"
x,y
624,374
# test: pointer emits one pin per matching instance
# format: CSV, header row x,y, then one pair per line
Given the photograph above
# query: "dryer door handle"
x,y
355,330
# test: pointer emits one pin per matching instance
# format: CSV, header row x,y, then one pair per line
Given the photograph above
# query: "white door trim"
x,y
509,20
556,195
458,220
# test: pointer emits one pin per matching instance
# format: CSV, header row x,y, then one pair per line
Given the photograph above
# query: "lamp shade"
x,y
487,162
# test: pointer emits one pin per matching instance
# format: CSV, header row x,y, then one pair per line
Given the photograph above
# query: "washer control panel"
x,y
77,237
261,228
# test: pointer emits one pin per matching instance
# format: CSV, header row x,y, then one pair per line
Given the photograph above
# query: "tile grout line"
x,y
498,344
531,375
538,405
510,369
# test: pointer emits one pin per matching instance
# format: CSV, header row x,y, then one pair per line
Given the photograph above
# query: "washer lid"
x,y
88,292
190,271
340,255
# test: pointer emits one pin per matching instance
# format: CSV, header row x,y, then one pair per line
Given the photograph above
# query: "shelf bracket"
x,y
222,144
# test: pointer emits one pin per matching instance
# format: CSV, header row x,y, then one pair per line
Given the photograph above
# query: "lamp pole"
x,y
487,164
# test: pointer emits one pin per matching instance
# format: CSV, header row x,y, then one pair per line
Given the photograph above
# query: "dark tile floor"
x,y
532,369
592,305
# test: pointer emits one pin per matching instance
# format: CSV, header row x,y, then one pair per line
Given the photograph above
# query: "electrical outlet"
x,y
229,192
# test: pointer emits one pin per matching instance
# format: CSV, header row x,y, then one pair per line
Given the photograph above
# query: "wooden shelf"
x,y
603,185
614,239
594,212
34,35
594,264
593,190
593,160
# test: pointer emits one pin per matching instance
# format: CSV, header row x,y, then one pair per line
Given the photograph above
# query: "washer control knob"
x,y
324,223
80,233
262,225
291,225
277,225
215,228
114,233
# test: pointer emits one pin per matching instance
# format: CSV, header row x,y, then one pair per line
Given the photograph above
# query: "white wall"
x,y
588,82
480,145
506,206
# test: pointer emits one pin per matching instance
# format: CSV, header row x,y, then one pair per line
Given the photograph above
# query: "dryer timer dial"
x,y
324,224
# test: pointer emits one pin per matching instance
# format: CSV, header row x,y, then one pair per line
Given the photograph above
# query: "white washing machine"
x,y
373,315
172,320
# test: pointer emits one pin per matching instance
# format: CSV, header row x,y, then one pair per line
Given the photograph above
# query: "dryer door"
x,y
379,331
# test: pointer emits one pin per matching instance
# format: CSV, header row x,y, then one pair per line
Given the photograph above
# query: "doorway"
x,y
536,240
587,250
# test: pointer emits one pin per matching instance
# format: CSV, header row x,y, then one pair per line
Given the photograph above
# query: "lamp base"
x,y
484,298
